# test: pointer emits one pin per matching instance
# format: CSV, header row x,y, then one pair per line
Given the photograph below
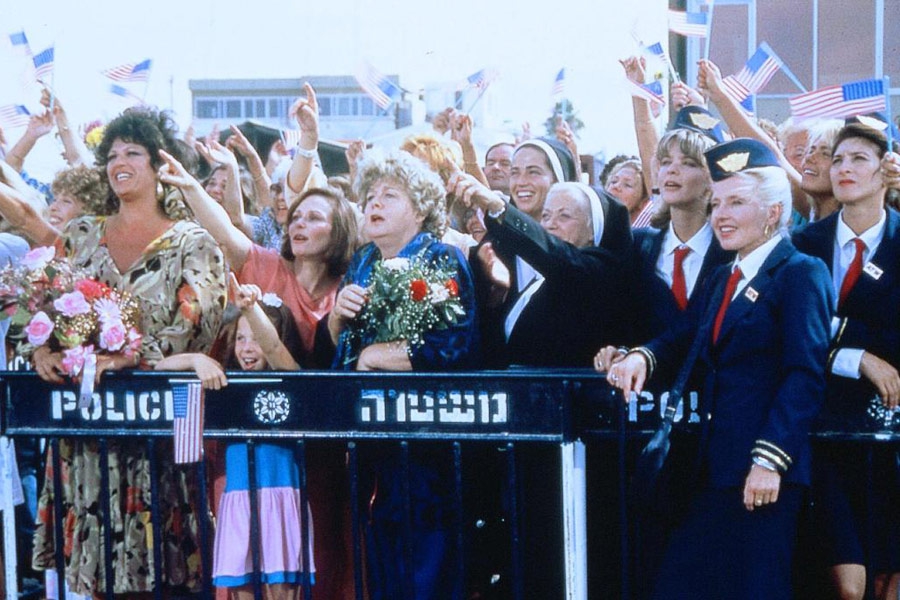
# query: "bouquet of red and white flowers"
x,y
408,298
49,302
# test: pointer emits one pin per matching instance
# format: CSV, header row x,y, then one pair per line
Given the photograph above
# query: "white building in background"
x,y
346,112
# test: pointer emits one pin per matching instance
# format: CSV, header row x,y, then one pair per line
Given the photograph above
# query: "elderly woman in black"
x,y
761,337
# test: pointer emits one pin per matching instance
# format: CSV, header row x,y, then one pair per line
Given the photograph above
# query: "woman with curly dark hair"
x,y
175,270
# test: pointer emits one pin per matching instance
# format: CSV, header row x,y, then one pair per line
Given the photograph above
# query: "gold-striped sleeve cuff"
x,y
649,357
773,454
840,332
829,364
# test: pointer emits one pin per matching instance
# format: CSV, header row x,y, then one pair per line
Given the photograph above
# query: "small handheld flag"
x,y
856,98
14,115
652,91
559,84
19,42
130,71
43,64
382,90
691,24
480,79
187,405
118,90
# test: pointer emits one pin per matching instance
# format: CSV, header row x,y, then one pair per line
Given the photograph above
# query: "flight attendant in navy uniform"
x,y
671,262
861,246
763,332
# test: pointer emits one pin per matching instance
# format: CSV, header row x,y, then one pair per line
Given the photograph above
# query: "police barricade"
x,y
624,531
510,411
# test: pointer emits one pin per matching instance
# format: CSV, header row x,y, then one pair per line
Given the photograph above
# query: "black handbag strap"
x,y
676,392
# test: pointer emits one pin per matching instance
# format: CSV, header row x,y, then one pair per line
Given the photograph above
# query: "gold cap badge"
x,y
734,162
703,121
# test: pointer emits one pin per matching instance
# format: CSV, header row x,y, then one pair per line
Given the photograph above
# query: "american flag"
x,y
20,43
559,84
14,115
735,89
693,24
652,91
480,79
856,98
125,94
130,71
43,63
756,73
377,85
657,50
187,405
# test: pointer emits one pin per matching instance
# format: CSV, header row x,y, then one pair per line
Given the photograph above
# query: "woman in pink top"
x,y
320,238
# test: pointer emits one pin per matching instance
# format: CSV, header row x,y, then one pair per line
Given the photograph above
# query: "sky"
x,y
422,42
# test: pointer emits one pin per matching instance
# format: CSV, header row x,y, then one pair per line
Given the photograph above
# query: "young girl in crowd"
x,y
263,337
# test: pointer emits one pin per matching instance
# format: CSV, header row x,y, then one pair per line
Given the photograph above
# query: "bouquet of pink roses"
x,y
47,301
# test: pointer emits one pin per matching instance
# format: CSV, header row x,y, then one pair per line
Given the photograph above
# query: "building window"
x,y
367,107
260,109
344,106
207,109
248,109
324,106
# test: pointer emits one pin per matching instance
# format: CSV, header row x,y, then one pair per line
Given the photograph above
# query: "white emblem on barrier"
x,y
271,408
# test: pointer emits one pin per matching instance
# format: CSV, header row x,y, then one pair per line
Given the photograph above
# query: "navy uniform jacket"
x,y
764,380
573,312
654,309
870,316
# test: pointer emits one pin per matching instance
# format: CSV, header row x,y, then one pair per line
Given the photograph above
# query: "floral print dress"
x,y
179,281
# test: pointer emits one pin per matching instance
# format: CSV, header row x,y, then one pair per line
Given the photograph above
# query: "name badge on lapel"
x,y
873,271
751,294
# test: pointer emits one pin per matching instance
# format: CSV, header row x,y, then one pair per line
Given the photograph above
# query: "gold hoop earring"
x,y
767,232
160,191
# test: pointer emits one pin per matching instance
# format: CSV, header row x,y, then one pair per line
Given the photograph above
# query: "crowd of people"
x,y
756,263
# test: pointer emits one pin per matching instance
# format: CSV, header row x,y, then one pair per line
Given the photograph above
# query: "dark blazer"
x,y
653,308
764,379
869,318
573,312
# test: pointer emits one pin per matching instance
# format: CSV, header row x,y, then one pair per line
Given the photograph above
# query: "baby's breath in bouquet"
x,y
407,298
49,302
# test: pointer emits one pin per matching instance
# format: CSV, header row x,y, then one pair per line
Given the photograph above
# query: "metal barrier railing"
x,y
410,413
539,419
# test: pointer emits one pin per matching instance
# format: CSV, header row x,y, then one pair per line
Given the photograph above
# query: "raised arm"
x,y
24,218
232,199
239,143
38,127
644,128
461,132
234,243
246,298
75,152
306,112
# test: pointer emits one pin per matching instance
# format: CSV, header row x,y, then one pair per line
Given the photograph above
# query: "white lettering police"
x,y
110,407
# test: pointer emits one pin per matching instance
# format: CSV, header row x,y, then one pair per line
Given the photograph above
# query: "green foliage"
x,y
568,113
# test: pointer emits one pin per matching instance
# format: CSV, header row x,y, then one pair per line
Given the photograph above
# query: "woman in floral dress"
x,y
176,272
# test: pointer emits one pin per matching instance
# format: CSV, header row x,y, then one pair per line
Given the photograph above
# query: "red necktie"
x,y
679,285
853,272
729,292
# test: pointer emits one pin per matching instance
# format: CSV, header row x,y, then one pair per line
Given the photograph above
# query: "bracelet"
x,y
765,464
649,358
259,177
306,153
